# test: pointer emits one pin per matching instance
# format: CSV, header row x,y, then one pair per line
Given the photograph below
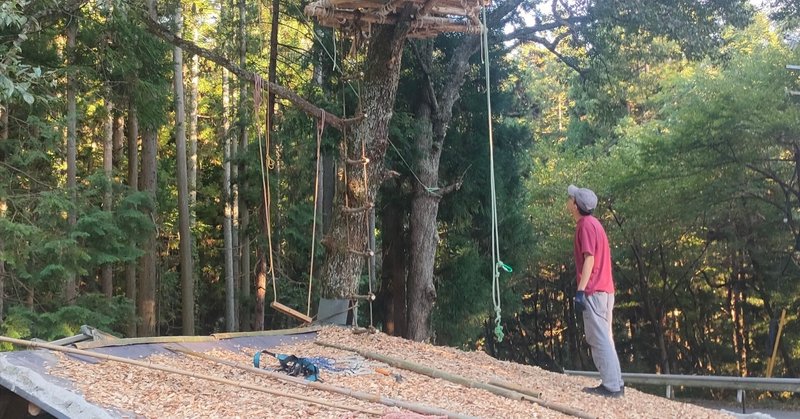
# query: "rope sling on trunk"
x,y
497,263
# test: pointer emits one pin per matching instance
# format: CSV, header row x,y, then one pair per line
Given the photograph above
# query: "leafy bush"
x,y
95,310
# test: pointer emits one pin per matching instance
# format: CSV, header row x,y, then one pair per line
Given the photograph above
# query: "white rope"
x,y
496,262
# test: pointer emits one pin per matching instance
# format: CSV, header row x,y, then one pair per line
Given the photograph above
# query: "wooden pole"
x,y
374,398
184,373
771,363
515,387
435,373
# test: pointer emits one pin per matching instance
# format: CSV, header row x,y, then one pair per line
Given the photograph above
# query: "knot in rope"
x,y
498,326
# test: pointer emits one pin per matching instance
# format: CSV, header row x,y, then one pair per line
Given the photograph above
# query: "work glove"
x,y
580,301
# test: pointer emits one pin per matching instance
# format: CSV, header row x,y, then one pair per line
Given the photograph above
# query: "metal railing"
x,y
740,384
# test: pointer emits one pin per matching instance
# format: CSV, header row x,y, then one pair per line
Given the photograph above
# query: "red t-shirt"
x,y
590,238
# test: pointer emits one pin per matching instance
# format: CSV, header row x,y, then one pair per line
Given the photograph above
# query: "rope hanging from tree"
x,y
320,130
497,263
266,163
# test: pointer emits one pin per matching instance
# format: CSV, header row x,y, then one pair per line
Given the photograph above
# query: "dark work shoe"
x,y
601,390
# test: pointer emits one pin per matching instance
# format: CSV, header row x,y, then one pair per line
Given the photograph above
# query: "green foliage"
x,y
696,25
90,309
461,292
17,78
692,161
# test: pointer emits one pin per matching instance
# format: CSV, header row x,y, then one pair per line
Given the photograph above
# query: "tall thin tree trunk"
x,y
2,270
70,287
133,184
327,187
394,273
276,143
118,138
107,279
146,303
268,214
3,138
227,221
259,310
654,315
737,313
235,228
185,245
272,214
244,214
3,121
229,236
194,92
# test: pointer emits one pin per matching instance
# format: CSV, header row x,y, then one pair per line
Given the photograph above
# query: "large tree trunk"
x,y
433,115
133,184
70,287
107,279
146,303
185,244
424,236
348,238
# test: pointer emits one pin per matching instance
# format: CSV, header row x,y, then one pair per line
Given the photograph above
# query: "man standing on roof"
x,y
595,294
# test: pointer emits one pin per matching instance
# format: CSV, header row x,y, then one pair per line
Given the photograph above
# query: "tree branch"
x,y
570,62
527,33
428,78
309,108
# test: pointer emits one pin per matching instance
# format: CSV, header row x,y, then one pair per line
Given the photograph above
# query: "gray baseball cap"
x,y
585,198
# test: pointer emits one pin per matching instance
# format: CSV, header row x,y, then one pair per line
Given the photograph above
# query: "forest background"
x,y
133,175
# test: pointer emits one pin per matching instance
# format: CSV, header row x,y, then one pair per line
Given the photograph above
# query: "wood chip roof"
x,y
79,386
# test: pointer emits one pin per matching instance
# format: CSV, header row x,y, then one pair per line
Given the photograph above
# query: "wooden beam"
x,y
290,312
464,381
375,398
141,341
172,370
278,332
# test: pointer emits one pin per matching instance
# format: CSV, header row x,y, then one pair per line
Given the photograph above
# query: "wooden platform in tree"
x,y
431,18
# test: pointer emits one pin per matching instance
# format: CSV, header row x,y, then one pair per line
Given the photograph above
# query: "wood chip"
x,y
134,391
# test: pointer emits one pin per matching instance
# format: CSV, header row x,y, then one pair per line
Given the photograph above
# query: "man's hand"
x,y
580,301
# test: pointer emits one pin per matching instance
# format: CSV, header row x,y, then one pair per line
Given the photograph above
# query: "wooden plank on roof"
x,y
278,332
141,341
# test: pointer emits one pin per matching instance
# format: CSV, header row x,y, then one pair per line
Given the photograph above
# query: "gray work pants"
x,y
597,325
